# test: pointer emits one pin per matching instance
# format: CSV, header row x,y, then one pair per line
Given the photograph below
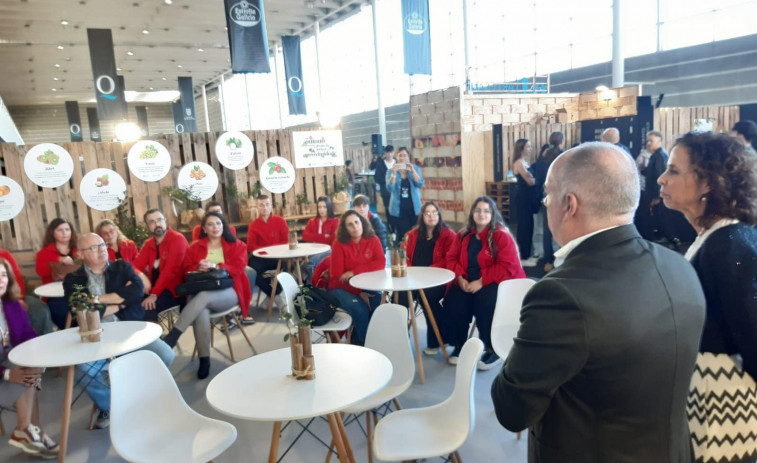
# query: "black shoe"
x,y
103,420
172,337
230,322
204,369
248,320
489,360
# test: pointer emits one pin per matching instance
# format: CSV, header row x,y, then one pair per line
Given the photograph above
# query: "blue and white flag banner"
x,y
416,36
248,39
293,72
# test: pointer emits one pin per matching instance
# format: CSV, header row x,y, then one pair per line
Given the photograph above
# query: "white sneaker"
x,y
430,350
530,262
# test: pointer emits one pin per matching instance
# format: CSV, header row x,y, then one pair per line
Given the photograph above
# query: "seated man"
x,y
362,205
161,259
117,291
267,230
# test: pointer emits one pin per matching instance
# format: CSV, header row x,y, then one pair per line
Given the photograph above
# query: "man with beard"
x,y
161,259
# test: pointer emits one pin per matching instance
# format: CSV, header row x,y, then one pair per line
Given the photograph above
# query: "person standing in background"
x,y
524,201
380,166
404,182
540,167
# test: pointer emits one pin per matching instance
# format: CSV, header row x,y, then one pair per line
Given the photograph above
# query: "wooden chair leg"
x,y
457,457
241,328
212,333
92,416
517,436
2,428
194,353
228,338
330,452
472,330
369,435
397,404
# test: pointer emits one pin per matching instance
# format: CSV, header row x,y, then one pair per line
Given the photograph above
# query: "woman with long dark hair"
x,y
541,166
524,200
404,182
712,180
322,227
54,261
482,256
216,248
427,246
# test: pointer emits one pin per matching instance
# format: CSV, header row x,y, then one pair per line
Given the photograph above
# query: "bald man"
x,y
612,136
601,365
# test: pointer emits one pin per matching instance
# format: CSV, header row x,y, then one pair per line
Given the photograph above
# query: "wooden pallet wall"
x,y
673,122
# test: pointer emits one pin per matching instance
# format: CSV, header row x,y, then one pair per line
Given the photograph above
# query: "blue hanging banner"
x,y
144,129
178,117
110,102
416,36
293,72
74,120
248,39
94,125
187,95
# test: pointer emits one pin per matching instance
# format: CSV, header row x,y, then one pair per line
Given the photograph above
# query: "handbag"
x,y
321,305
217,278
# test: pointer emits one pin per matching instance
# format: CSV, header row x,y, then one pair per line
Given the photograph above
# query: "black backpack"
x,y
321,305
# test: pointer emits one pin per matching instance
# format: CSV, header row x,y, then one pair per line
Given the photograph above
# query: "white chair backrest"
x,y
460,408
290,288
388,334
506,320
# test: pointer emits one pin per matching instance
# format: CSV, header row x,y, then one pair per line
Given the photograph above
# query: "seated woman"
x,y
119,246
427,246
482,256
54,261
18,386
321,229
216,248
356,250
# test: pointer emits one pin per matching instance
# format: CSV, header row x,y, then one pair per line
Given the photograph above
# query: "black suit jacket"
x,y
117,275
658,162
601,365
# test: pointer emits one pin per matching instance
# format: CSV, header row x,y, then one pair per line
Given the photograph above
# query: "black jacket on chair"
x,y
601,365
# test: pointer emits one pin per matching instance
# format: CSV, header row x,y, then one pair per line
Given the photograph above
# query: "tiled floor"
x,y
489,442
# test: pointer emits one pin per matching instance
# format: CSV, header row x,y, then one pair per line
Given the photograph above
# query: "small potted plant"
x,y
398,253
303,363
293,243
304,203
87,314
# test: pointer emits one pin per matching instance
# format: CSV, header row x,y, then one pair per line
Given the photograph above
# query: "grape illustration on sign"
x,y
102,189
11,198
149,161
200,179
277,175
48,165
234,150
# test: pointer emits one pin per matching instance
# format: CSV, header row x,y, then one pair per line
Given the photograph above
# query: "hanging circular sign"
x,y
48,165
11,198
234,150
102,189
199,179
149,161
277,174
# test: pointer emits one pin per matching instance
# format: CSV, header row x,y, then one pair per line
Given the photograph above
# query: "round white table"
x,y
417,278
64,348
54,289
344,375
282,252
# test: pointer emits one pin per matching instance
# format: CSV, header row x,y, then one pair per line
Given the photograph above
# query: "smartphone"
x,y
401,166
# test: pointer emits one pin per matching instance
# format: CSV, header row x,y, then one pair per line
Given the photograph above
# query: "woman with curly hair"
x,y
482,256
712,180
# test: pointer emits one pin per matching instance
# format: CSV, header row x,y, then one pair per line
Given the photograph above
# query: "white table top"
x,y
261,388
63,348
54,289
417,278
282,251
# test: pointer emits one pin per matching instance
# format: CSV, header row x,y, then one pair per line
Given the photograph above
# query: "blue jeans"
x,y
360,313
98,388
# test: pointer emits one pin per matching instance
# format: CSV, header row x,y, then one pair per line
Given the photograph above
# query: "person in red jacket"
x,y
427,246
356,250
320,229
212,206
161,259
268,229
54,261
482,256
119,246
216,248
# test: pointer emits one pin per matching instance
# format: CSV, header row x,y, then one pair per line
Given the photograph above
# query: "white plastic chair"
x,y
387,333
506,320
151,422
438,430
341,321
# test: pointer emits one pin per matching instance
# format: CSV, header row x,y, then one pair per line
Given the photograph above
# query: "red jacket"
x,y
365,256
328,231
320,273
16,270
172,252
235,261
128,250
261,233
197,228
505,267
45,257
443,244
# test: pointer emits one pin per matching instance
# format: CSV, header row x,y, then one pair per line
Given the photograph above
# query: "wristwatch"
x,y
96,300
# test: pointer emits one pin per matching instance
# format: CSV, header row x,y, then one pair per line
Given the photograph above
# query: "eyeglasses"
x,y
96,247
156,221
482,211
431,213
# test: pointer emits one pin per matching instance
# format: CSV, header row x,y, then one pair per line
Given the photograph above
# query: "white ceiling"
x,y
31,34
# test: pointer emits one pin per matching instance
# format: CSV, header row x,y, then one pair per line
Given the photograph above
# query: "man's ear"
x,y
570,204
78,254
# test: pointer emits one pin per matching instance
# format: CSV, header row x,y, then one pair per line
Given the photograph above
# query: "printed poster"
x,y
149,161
199,179
234,150
102,189
277,175
12,198
48,165
322,148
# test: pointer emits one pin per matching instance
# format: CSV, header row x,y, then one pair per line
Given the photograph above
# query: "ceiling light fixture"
x,y
64,23
179,66
118,69
60,47
55,90
145,31
57,65
163,78
130,53
200,50
168,2
55,78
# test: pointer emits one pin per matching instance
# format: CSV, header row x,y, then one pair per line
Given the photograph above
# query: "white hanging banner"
x,y
12,198
102,189
234,150
277,174
322,148
149,161
48,165
199,179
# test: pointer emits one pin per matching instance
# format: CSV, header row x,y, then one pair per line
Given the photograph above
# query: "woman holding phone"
x,y
404,182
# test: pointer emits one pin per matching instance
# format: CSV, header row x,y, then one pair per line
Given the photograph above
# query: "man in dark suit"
x,y
601,365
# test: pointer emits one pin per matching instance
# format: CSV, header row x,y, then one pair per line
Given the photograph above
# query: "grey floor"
x,y
489,442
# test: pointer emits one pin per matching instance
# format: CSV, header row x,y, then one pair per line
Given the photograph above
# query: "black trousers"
x,y
525,230
549,251
461,307
164,301
434,296
263,265
385,197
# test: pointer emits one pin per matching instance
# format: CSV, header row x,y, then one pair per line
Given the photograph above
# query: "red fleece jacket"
x,y
172,252
365,256
505,267
261,233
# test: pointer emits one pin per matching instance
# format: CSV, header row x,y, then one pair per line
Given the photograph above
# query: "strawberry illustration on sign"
x,y
275,167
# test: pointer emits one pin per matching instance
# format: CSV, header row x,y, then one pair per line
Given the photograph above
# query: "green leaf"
x,y
270,172
271,164
283,171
